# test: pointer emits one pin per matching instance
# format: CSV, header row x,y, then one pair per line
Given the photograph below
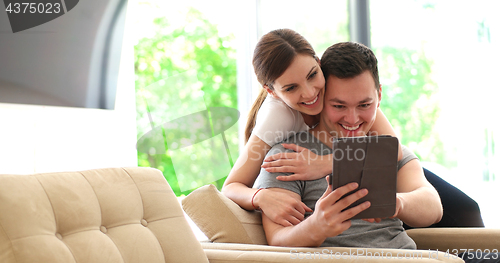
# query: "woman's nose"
x,y
309,92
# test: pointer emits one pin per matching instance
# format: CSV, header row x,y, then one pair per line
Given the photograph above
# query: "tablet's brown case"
x,y
371,161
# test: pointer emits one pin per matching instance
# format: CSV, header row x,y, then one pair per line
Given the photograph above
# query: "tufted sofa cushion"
x,y
221,219
104,215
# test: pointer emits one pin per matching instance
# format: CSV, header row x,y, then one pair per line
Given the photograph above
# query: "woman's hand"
x,y
280,207
303,164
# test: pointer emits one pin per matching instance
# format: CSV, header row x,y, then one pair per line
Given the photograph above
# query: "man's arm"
x,y
420,204
327,220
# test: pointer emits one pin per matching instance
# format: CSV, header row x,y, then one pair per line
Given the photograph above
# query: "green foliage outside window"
x,y
180,71
409,100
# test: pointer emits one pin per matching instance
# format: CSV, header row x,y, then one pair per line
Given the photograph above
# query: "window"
x,y
185,64
322,23
437,63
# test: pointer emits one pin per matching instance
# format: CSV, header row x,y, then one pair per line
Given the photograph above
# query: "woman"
x,y
291,100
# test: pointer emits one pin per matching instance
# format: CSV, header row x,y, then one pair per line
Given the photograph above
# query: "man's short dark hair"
x,y
348,60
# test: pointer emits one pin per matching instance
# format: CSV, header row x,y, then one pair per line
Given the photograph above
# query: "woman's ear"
x,y
271,92
318,60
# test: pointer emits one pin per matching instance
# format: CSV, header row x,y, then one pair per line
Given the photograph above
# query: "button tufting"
x,y
144,222
103,229
59,236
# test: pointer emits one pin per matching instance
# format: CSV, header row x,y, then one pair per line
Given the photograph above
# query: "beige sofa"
x,y
228,226
126,215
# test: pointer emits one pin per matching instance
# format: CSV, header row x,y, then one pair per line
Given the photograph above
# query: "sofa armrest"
x,y
448,239
215,253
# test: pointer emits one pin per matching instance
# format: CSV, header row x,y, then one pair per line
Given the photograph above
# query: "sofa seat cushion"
x,y
221,219
104,215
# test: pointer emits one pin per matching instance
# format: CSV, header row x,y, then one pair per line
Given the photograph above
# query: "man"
x,y
352,96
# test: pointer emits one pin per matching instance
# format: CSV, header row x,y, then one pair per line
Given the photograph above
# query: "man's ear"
x,y
379,95
271,92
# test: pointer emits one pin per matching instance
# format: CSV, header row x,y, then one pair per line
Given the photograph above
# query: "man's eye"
x,y
366,105
338,106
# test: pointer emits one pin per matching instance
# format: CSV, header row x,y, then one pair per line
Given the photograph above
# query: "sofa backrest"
x,y
103,215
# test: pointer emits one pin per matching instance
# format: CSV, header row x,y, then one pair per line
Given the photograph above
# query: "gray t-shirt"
x,y
389,233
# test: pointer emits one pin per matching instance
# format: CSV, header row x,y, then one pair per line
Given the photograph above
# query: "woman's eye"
x,y
290,88
313,74
338,106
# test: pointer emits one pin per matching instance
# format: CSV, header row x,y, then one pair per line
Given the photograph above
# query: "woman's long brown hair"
x,y
273,54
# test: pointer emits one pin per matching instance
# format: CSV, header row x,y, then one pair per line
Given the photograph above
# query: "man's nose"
x,y
352,116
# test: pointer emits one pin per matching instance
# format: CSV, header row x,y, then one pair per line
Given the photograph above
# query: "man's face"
x,y
350,105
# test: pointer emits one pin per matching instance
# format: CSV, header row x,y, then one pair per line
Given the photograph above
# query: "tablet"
x,y
372,162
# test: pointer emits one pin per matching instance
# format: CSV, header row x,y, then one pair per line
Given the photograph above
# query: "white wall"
x,y
61,62
37,139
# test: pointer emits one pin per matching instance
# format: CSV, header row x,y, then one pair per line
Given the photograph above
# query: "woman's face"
x,y
301,86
